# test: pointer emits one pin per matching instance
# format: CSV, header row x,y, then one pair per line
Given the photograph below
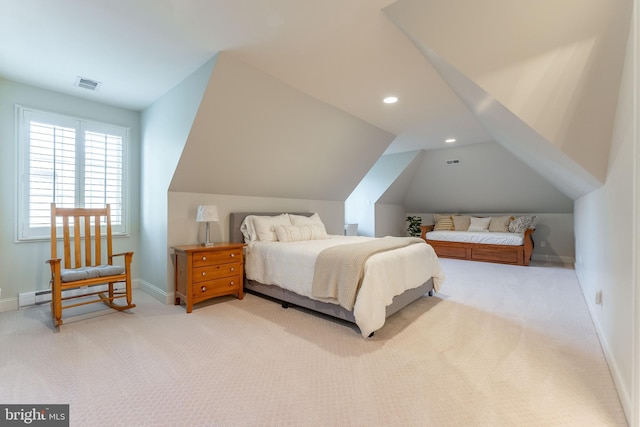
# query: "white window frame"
x,y
24,116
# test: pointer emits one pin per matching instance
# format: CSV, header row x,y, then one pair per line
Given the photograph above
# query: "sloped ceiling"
x,y
256,136
540,77
533,77
488,179
343,52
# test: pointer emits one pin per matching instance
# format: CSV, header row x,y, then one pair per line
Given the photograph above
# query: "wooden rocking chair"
x,y
83,260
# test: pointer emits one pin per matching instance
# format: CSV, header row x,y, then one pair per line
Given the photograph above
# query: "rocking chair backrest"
x,y
77,227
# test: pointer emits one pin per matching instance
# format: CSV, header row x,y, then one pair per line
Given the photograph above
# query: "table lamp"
x,y
207,213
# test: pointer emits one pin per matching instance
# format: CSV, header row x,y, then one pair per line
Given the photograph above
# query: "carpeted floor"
x,y
499,346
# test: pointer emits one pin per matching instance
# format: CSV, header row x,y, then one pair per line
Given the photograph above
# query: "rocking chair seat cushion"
x,y
82,273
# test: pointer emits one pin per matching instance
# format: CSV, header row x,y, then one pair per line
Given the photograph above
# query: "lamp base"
x,y
207,243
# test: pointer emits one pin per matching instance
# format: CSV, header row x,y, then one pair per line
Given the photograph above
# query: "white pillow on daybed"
x,y
479,224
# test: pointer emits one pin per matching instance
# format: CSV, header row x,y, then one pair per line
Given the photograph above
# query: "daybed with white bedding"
x,y
503,239
284,268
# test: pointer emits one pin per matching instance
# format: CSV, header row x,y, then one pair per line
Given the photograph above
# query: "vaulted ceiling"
x,y
539,77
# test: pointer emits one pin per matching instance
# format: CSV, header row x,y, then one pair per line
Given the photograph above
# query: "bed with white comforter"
x,y
289,265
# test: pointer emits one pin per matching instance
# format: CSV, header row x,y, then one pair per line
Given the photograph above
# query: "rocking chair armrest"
x,y
122,253
128,257
55,264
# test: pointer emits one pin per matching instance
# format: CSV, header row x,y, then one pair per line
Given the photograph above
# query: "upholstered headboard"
x,y
236,218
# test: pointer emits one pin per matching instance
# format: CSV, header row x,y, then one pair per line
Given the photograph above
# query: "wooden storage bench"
x,y
504,254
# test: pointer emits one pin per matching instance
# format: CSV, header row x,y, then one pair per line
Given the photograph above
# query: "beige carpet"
x,y
499,346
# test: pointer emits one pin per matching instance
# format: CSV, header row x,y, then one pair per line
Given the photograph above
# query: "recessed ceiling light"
x,y
390,100
450,140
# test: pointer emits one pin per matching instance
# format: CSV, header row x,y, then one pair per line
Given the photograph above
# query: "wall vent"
x,y
87,83
453,162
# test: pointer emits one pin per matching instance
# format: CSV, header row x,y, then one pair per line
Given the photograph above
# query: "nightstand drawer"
x,y
204,272
211,272
210,288
201,259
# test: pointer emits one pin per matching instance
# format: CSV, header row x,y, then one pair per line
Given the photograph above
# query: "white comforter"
x,y
387,274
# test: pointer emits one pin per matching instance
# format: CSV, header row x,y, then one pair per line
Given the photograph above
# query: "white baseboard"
x,y
556,259
8,304
623,393
157,293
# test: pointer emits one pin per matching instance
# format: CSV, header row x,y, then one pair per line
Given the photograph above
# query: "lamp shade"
x,y
207,213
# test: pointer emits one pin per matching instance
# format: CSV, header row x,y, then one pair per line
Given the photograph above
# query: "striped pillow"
x,y
443,223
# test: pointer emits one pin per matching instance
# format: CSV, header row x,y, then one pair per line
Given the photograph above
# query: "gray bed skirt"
x,y
287,297
334,310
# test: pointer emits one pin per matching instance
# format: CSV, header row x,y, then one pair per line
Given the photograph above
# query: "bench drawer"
x,y
451,252
508,257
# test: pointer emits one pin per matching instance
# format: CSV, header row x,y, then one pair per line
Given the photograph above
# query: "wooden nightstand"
x,y
206,272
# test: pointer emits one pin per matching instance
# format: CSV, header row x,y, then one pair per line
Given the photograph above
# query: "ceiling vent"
x,y
87,83
453,162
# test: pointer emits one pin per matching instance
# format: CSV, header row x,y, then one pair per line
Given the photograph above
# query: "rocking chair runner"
x,y
86,267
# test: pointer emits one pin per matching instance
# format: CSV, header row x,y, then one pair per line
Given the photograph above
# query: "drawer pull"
x,y
204,258
204,273
233,269
231,283
232,255
203,289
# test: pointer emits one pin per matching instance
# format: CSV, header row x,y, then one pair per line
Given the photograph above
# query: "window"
x,y
72,162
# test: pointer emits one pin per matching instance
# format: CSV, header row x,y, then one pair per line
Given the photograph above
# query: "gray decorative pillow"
x,y
520,224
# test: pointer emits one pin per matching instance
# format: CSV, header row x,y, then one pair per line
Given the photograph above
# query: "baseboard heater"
x,y
27,299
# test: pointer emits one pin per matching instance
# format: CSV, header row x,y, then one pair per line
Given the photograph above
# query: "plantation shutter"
x,y
52,167
71,162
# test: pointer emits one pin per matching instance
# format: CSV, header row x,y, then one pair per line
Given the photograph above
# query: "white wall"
x,y
604,225
23,264
165,127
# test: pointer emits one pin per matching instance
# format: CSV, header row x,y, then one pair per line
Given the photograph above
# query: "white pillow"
x,y
479,224
265,226
297,233
307,220
248,230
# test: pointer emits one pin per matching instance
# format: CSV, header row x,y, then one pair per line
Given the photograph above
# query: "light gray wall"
x,y
165,128
23,264
488,179
390,220
361,207
605,221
